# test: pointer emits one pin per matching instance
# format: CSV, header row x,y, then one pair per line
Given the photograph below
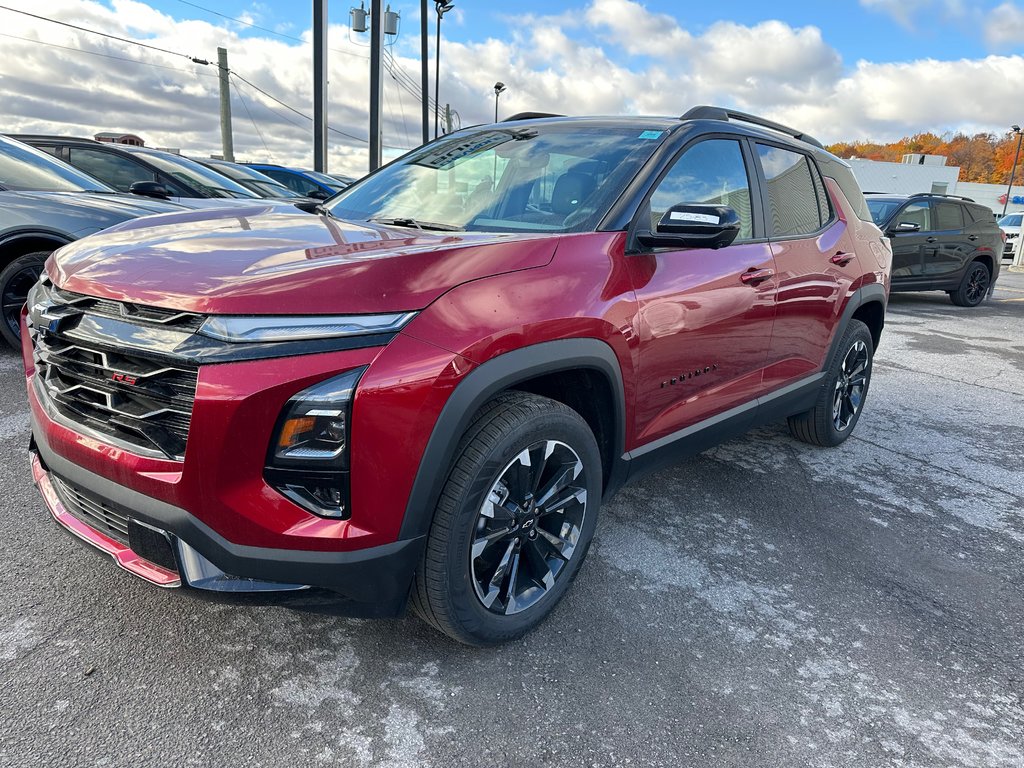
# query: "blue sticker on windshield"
x,y
651,134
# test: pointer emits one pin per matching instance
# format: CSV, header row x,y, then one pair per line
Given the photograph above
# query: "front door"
x,y
909,249
704,328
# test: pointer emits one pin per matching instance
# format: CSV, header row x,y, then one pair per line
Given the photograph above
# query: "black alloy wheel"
x,y
840,400
16,279
974,287
529,527
850,386
514,521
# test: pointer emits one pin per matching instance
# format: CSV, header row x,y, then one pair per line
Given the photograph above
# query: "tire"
x,y
974,287
496,563
841,401
15,280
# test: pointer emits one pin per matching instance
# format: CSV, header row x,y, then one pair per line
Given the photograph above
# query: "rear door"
x,y
815,259
704,328
952,249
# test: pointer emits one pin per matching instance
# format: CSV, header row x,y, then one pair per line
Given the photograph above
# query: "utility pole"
x,y
376,81
227,141
1016,154
320,85
424,70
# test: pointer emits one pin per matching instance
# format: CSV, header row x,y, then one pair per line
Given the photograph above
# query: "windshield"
x,y
210,183
555,177
27,169
1011,220
268,188
882,210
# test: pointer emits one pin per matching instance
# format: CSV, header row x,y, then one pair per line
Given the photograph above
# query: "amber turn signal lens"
x,y
295,431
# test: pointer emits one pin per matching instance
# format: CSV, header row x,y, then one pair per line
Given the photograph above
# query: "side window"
x,y
292,181
711,173
793,204
119,172
948,216
916,213
824,205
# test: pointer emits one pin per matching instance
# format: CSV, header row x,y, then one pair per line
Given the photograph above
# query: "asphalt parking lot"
x,y
764,604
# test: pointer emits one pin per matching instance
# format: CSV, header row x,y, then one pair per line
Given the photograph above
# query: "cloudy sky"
x,y
844,69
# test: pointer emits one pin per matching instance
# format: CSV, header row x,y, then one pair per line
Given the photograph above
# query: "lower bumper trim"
x,y
120,553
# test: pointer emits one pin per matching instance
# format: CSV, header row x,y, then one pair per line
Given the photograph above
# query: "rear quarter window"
x,y
835,169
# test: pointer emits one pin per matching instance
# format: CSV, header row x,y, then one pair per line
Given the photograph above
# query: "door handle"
x,y
754,276
930,239
972,237
841,259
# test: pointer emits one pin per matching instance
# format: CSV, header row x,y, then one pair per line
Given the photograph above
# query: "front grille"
x,y
92,511
127,395
170,318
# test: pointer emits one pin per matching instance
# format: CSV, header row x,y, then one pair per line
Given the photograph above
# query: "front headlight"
x,y
271,328
307,461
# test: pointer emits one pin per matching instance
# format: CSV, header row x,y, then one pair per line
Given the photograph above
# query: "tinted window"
x,y
711,172
948,216
1011,220
881,210
792,201
199,177
824,205
916,213
293,181
116,170
26,168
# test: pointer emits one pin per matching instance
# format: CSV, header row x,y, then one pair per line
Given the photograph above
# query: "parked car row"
x,y
56,189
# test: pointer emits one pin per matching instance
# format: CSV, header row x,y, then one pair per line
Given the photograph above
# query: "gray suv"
x,y
45,204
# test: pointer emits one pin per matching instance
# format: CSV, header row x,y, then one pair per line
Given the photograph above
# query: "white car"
x,y
1010,224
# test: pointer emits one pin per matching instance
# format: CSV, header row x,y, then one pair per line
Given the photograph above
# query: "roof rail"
x,y
529,116
943,194
720,113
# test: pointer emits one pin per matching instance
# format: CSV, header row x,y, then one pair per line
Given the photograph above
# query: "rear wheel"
x,y
841,401
974,287
514,521
15,281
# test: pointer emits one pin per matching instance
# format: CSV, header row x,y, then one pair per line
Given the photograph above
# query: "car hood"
x,y
262,261
74,212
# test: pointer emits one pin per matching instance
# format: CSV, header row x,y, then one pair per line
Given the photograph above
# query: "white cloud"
x,y
1004,27
598,57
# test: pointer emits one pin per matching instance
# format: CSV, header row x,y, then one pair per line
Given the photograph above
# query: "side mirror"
x,y
694,226
906,226
150,189
317,194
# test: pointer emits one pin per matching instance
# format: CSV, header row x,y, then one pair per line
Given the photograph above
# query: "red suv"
x,y
425,393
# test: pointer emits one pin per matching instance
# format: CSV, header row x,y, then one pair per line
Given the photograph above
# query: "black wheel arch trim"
x,y
489,379
871,292
14,236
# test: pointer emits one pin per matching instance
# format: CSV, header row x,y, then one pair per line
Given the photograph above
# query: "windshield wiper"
x,y
404,221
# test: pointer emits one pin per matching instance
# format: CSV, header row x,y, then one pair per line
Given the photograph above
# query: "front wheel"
x,y
841,400
15,281
974,287
514,521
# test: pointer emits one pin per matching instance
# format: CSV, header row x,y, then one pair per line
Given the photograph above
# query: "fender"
x,y
483,383
863,295
59,238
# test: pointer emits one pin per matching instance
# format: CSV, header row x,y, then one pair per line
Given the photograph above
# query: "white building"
x,y
929,173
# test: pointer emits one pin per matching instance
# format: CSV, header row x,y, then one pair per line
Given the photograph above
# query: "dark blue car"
x,y
305,183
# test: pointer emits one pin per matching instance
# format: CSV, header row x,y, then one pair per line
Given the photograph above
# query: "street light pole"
x,y
442,7
1009,187
499,88
425,70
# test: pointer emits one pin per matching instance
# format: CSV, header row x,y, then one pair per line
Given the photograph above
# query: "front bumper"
x,y
376,578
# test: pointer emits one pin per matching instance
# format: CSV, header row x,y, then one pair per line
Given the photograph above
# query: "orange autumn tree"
x,y
983,157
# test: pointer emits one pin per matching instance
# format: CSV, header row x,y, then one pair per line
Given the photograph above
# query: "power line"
x,y
241,21
107,55
104,34
245,106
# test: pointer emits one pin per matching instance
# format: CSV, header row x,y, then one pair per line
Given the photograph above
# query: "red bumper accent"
x,y
121,554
